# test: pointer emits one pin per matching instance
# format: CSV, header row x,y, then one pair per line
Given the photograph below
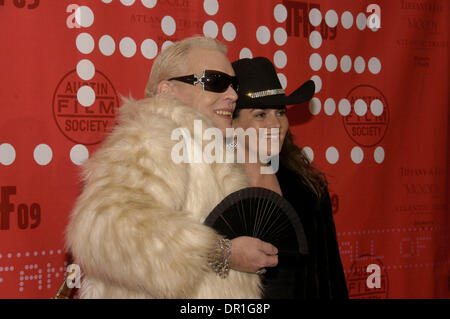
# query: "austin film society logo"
x,y
85,125
368,120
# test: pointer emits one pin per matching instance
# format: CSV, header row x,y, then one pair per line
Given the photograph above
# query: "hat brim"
x,y
302,94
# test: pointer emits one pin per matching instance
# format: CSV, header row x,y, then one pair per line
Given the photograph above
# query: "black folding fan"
x,y
261,213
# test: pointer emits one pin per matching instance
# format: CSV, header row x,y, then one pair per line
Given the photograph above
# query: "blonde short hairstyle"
x,y
170,61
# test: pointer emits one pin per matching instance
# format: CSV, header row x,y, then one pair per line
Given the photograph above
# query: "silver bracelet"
x,y
219,259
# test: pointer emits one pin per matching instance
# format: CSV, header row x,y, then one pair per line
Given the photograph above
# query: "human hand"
x,y
250,254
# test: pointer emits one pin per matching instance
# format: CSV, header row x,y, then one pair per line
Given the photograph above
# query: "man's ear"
x,y
164,87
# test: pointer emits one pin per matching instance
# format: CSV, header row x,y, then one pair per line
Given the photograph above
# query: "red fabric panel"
x,y
387,161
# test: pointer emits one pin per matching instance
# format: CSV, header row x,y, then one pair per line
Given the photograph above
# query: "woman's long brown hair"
x,y
292,157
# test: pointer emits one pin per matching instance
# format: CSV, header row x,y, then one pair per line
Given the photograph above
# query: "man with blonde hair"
x,y
137,230
172,61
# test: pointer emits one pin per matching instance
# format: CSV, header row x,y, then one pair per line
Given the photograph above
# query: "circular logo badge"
x,y
367,122
85,124
364,267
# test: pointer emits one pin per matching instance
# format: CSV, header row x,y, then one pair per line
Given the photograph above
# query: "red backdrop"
x,y
378,125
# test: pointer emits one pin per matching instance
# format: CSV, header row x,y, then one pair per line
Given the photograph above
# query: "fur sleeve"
x,y
128,227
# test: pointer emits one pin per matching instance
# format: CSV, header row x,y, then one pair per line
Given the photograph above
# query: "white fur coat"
x,y
136,230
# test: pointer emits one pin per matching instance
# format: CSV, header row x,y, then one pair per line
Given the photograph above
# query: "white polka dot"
x,y
229,31
166,44
360,107
84,16
378,155
85,69
283,80
149,3
127,2
211,7
78,155
331,62
107,45
280,36
210,29
315,39
280,13
168,25
315,61
359,65
374,65
86,96
357,155
85,43
18,255
346,63
263,34
361,21
127,47
344,107
280,59
376,107
7,154
315,17
331,18
42,155
332,155
329,106
245,53
149,48
106,1
315,106
347,20
318,83
309,153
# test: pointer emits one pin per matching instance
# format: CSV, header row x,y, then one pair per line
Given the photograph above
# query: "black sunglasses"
x,y
211,80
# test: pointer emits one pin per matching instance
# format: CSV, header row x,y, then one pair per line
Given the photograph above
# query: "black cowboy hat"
x,y
259,86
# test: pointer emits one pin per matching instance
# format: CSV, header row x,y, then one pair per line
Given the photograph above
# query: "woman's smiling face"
x,y
264,119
